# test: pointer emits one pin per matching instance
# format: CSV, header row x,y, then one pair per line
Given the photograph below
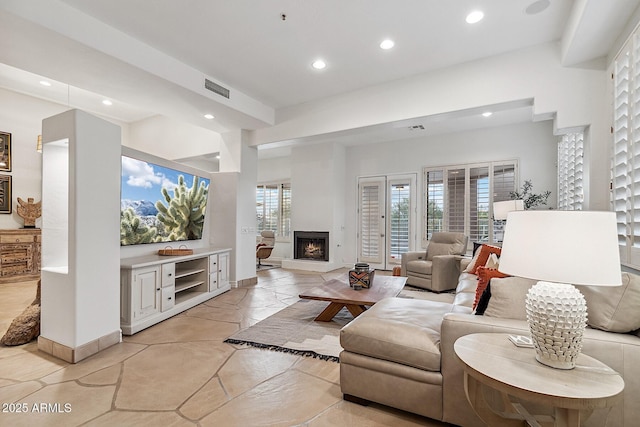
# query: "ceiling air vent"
x,y
216,88
416,127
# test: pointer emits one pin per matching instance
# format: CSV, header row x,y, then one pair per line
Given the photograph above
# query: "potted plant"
x,y
530,199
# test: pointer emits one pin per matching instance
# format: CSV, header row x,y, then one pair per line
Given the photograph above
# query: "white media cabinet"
x,y
154,287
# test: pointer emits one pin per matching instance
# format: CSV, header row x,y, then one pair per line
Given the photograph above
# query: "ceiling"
x,y
143,55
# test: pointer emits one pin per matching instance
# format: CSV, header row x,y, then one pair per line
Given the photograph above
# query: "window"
x,y
626,150
570,171
273,208
460,198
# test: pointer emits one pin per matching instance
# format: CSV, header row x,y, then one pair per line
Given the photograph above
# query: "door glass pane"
x,y
399,208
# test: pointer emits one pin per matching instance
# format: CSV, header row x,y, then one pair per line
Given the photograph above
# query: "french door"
x,y
386,219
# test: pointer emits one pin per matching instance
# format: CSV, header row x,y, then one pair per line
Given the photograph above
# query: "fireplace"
x,y
311,245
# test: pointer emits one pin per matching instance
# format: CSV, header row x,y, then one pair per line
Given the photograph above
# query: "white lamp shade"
x,y
501,209
576,247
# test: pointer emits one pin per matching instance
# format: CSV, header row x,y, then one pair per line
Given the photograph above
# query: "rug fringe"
x,y
307,353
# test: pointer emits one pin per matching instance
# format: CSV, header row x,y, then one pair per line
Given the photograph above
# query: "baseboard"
x,y
247,282
74,355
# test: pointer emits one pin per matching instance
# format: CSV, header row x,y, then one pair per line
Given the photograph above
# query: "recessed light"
x,y
475,16
107,102
387,44
209,116
487,114
319,64
45,83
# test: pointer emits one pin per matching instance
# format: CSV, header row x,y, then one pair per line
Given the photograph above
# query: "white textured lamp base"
x,y
557,316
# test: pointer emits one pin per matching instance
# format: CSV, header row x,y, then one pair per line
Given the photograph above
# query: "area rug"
x,y
294,330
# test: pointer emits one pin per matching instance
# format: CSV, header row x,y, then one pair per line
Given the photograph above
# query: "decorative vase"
x,y
557,316
361,276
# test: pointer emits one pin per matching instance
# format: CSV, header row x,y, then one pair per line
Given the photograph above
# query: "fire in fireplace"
x,y
311,245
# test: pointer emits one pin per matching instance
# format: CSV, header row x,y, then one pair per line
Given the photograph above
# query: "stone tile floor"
x,y
180,373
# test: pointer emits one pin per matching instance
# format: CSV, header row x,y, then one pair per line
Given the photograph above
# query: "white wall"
x,y
171,139
317,189
274,170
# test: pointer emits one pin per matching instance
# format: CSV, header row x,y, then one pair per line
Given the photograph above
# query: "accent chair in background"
x,y
264,248
437,268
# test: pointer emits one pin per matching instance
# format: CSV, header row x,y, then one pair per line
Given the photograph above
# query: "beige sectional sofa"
x,y
400,352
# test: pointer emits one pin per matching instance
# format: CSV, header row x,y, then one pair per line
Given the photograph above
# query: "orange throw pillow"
x,y
485,252
484,275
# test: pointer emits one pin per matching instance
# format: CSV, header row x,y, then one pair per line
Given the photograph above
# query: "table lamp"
x,y
560,248
501,209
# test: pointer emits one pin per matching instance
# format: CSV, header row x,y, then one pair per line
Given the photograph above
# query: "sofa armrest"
x,y
410,256
445,272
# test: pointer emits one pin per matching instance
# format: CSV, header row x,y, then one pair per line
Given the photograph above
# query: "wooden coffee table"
x,y
340,294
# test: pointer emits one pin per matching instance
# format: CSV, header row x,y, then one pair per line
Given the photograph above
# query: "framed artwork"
x,y
5,194
5,151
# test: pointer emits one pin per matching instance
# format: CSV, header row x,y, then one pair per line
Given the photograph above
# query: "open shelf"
x,y
184,273
183,286
186,296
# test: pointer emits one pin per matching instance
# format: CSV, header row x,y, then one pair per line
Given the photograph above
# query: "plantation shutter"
x,y
479,204
267,207
285,210
570,171
456,200
399,219
460,198
626,151
371,220
434,203
503,183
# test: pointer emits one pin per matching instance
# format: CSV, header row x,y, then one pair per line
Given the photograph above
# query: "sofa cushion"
x,y
614,309
419,266
399,330
507,297
485,274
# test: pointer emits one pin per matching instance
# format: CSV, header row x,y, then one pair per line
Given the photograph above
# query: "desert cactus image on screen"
x,y
133,230
160,204
183,214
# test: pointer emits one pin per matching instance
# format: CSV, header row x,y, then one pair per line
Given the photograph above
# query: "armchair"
x,y
264,248
437,268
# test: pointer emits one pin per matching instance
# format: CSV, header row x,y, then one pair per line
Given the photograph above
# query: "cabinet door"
x,y
223,269
146,292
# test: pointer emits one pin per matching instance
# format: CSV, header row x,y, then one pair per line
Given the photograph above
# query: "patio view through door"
x,y
386,219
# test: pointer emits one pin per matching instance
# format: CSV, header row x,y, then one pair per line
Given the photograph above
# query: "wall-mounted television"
x,y
160,204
